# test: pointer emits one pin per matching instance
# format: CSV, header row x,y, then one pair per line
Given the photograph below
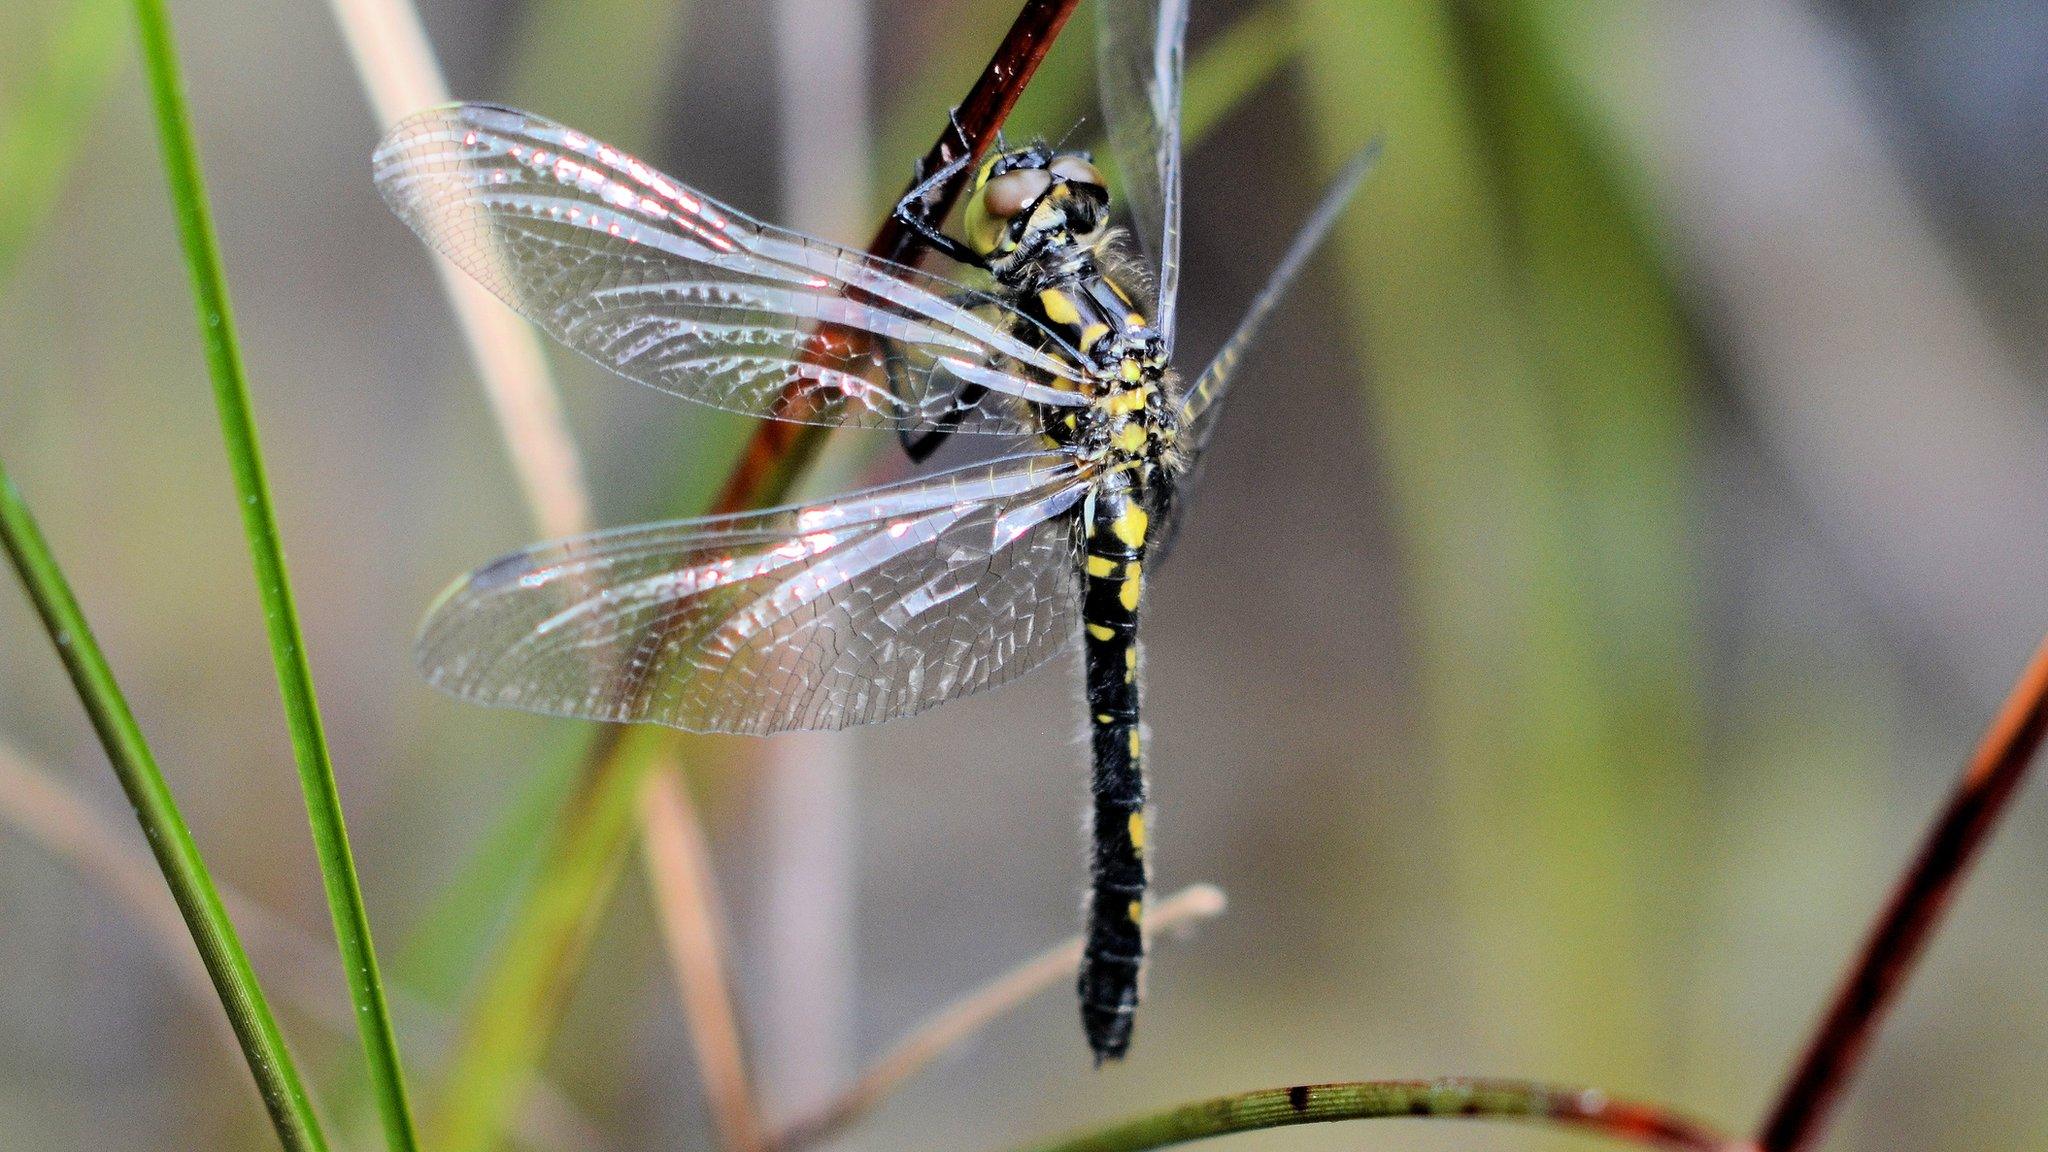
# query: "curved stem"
x,y
241,997
273,585
1646,1125
1902,931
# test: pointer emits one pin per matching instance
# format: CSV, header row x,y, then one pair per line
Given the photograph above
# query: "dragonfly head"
x,y
1036,193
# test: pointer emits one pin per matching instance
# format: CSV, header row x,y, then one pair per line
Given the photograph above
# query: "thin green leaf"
x,y
259,522
1642,1124
270,1062
42,129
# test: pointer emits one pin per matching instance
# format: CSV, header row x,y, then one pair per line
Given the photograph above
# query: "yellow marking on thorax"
x,y
1059,307
1093,333
1130,370
1134,319
1130,438
1127,401
1138,831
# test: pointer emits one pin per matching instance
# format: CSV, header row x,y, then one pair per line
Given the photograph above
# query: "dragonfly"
x,y
877,604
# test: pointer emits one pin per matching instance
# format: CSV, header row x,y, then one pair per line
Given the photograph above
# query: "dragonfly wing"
x,y
666,286
871,607
1140,45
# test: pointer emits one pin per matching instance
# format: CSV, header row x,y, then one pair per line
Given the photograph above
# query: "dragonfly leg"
x,y
915,213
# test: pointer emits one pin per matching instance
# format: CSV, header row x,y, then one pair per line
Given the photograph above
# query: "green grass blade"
x,y
42,128
270,1062
259,521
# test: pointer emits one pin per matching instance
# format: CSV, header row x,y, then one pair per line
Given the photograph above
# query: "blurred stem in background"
x,y
351,920
1528,383
804,945
42,128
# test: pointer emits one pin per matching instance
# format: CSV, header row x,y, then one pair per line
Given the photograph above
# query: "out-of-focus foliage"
x,y
1556,665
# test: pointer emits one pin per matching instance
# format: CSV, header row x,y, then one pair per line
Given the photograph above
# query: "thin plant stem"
x,y
1645,1125
1813,1091
241,996
259,522
686,899
396,65
956,1022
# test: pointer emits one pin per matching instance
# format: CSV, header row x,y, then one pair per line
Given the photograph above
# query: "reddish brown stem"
x,y
778,450
1909,920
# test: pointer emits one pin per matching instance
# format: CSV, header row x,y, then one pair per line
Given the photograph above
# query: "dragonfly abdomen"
x,y
1115,950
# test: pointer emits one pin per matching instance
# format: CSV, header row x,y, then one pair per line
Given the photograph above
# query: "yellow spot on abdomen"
x,y
1101,632
1137,743
1059,307
1133,585
1136,911
1131,526
1100,566
1138,831
1130,663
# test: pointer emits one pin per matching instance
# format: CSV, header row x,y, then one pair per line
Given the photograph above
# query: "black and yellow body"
x,y
1038,222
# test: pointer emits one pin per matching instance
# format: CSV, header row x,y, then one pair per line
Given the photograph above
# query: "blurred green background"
x,y
1608,561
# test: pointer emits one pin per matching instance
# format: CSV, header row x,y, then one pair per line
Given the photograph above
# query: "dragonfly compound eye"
x,y
1012,192
1000,200
1075,168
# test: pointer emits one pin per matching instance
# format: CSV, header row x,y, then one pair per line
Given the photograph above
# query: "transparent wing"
x,y
871,607
1139,60
670,288
1202,403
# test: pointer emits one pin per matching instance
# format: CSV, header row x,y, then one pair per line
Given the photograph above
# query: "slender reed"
x,y
1813,1090
270,1062
259,522
687,903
